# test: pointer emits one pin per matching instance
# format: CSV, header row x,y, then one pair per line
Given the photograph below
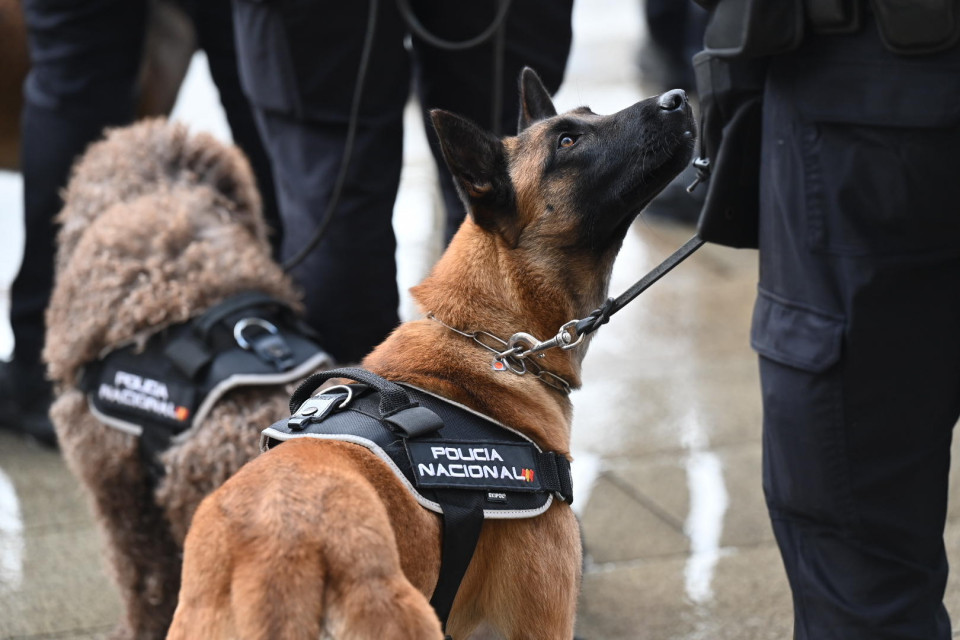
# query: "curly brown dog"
x,y
317,538
158,227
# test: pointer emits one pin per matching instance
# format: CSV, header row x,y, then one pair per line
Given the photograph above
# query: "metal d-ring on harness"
x,y
242,326
516,357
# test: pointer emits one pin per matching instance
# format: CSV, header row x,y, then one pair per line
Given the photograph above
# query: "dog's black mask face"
x,y
575,180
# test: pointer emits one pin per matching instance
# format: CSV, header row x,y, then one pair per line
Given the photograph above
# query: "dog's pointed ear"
x,y
535,102
478,161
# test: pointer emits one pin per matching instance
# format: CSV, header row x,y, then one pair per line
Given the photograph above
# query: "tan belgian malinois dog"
x,y
320,539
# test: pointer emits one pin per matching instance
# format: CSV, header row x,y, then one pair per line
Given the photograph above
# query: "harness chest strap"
x,y
454,461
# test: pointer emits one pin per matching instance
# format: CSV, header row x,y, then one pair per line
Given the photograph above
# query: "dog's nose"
x,y
672,100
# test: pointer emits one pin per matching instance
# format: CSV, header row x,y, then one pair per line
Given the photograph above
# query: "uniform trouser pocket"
x,y
873,190
301,57
854,479
805,473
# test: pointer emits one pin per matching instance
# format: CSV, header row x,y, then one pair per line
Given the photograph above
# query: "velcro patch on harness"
x,y
477,465
144,396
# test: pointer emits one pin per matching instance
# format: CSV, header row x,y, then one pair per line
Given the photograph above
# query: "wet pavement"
x,y
666,429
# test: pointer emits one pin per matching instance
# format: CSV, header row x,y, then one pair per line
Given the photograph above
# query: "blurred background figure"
x,y
675,34
300,64
665,60
88,70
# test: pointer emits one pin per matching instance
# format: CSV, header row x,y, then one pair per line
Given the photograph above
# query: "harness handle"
x,y
393,398
205,323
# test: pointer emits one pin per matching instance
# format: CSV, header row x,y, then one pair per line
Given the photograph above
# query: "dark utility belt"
x,y
453,460
162,390
741,37
754,28
906,28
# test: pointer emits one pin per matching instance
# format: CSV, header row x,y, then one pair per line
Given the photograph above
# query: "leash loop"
x,y
418,28
597,318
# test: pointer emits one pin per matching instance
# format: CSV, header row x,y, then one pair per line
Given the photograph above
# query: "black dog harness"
x,y
455,461
159,392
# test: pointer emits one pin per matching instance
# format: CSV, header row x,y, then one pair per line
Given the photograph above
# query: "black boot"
x,y
25,397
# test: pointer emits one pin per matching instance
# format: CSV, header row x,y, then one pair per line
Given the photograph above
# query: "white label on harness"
x,y
471,453
474,465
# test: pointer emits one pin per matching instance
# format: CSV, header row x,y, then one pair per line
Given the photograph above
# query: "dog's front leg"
x,y
144,558
524,578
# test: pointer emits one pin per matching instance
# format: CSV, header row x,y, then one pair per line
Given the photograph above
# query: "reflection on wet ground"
x,y
666,431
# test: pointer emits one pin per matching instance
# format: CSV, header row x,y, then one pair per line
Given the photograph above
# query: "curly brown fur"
x,y
135,161
159,225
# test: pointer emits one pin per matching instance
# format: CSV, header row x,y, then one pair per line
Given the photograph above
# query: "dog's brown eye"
x,y
567,140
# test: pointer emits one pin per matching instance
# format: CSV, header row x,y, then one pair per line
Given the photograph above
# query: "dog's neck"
x,y
480,284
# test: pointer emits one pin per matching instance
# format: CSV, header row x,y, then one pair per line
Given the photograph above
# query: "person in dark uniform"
x,y
85,61
857,317
299,62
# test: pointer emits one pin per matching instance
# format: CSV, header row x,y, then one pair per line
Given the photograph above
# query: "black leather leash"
x,y
601,316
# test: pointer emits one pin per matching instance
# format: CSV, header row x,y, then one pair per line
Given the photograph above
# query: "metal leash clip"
x,y
513,357
522,345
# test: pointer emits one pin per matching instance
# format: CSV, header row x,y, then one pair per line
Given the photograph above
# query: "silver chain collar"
x,y
514,355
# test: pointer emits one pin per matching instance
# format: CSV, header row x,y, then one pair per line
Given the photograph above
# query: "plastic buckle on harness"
x,y
318,407
275,350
